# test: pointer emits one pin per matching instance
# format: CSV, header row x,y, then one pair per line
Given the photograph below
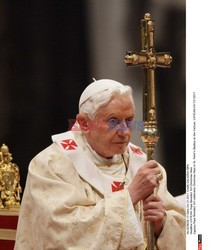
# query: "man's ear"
x,y
83,122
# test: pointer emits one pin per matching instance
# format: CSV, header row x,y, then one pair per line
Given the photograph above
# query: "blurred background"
x,y
50,51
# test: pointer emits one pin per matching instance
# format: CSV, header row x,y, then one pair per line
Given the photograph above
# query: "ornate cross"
x,y
149,60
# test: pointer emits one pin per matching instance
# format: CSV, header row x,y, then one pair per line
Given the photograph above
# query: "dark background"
x,y
48,56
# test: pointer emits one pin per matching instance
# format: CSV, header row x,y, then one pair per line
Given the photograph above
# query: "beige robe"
x,y
69,204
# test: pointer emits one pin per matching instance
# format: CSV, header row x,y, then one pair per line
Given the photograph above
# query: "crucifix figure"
x,y
149,60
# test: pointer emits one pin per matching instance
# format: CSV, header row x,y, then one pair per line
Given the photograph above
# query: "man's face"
x,y
111,131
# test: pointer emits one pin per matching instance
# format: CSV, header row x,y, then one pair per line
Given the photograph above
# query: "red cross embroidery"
x,y
69,144
117,185
136,150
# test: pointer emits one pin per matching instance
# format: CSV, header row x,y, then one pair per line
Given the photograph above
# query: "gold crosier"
x,y
148,60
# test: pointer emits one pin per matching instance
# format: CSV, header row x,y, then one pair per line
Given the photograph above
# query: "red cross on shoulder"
x,y
136,150
69,144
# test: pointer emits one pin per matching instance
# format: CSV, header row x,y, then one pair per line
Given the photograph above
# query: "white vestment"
x,y
71,201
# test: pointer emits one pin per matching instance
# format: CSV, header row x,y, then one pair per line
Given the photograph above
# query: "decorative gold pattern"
x,y
10,188
109,164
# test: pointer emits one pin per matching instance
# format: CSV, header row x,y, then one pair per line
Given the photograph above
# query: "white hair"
x,y
95,102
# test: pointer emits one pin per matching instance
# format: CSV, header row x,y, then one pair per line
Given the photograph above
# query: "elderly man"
x,y
93,189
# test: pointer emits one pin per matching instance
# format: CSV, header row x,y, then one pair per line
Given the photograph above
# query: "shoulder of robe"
x,y
51,159
52,165
137,151
131,144
48,153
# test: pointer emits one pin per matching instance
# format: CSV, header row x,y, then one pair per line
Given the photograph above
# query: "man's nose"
x,y
123,128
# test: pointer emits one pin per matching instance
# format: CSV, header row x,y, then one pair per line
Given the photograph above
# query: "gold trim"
x,y
109,164
7,234
8,213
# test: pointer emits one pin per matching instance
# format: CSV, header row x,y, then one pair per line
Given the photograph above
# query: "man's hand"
x,y
144,182
154,211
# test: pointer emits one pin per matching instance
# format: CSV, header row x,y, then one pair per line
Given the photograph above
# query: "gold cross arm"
x,y
148,59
